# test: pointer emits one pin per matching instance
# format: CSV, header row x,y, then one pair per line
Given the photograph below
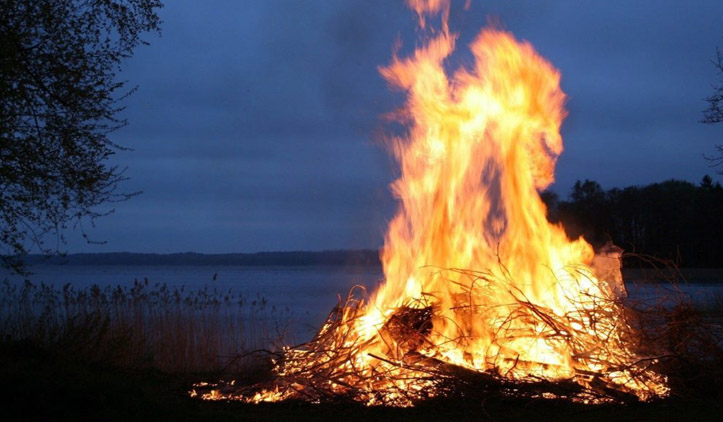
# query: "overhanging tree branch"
x,y
59,101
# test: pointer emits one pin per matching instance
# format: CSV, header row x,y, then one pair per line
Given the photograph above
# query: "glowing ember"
x,y
480,288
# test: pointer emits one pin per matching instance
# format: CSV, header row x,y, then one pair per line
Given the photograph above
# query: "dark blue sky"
x,y
257,122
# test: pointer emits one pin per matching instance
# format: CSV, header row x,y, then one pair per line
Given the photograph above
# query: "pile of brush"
x,y
667,343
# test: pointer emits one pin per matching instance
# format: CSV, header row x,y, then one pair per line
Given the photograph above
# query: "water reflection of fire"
x,y
480,287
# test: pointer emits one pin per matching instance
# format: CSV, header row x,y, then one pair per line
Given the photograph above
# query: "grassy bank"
x,y
40,384
132,354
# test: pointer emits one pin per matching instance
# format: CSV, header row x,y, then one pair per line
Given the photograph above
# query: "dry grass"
x,y
171,329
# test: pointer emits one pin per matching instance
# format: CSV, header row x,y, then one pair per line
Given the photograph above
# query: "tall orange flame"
x,y
479,147
476,277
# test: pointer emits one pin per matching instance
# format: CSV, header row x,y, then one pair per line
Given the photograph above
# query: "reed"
x,y
146,325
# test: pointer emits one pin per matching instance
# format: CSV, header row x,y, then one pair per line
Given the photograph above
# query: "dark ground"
x,y
37,384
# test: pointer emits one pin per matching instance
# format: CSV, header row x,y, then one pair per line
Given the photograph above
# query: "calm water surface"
x,y
309,293
306,293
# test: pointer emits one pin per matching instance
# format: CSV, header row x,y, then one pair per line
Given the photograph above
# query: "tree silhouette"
x,y
714,112
674,220
59,101
587,213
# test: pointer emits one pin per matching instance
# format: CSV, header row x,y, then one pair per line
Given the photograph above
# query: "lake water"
x,y
306,293
309,292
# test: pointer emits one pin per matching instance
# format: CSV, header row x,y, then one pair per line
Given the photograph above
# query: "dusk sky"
x,y
257,123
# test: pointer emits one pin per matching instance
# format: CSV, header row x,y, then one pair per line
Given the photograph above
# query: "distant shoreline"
x,y
692,275
345,258
359,257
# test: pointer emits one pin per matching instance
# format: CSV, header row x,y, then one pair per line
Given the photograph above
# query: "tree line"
x,y
673,220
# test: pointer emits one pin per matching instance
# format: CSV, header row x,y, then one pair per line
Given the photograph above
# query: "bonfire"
x,y
480,291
